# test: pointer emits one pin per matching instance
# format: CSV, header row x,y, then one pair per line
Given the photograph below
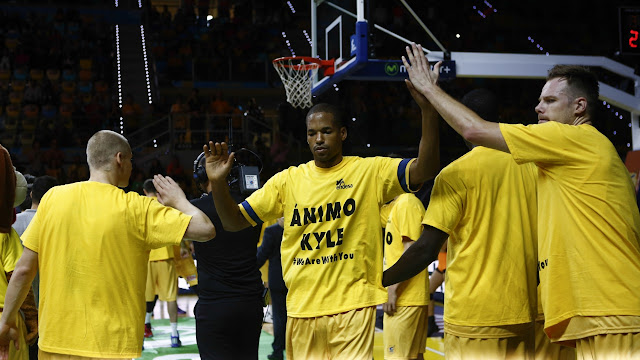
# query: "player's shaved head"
x,y
103,146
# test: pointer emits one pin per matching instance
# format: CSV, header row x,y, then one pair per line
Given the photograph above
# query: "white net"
x,y
296,75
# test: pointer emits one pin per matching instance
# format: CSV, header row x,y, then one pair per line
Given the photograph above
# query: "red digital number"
x,y
633,38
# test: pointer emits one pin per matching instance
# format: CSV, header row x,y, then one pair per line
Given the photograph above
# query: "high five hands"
x,y
421,77
218,161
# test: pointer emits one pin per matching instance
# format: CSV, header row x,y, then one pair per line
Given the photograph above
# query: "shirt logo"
x,y
340,184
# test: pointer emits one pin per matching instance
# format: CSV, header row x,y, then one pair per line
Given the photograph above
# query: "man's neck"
x,y
581,120
103,177
34,206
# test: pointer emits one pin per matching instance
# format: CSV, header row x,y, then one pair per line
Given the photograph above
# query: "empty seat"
x,y
36,74
69,86
85,75
66,98
13,111
53,74
20,73
85,87
18,85
31,111
68,75
15,97
5,74
85,64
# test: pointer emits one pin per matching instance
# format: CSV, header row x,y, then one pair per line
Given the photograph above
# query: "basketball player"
x,y
485,204
589,251
91,241
406,312
332,246
161,280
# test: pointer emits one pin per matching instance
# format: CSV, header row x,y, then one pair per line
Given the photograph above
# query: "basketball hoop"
x,y
297,75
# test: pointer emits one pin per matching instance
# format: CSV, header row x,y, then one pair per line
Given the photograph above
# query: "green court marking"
x,y
159,346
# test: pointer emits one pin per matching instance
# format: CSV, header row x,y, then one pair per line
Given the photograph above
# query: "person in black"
x,y
270,250
229,309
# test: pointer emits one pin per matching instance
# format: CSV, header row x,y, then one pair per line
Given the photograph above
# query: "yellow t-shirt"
x,y
10,252
589,252
405,220
487,204
332,243
93,243
163,253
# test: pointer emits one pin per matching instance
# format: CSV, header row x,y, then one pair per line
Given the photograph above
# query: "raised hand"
x,y
218,161
420,74
169,192
420,99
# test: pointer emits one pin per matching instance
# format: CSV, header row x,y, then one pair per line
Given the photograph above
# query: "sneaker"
x,y
181,312
147,331
175,341
275,356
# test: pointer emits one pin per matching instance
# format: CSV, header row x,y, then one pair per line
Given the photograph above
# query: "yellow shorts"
x,y
347,336
9,352
162,280
515,342
546,350
405,333
43,355
609,346
185,267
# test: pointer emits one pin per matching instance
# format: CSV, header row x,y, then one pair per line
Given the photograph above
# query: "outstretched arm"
x,y
463,120
427,163
218,164
200,227
415,259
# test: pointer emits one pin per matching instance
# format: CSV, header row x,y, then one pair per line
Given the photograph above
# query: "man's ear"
x,y
343,133
119,158
580,106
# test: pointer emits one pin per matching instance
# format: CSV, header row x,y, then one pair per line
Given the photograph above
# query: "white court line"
x,y
435,351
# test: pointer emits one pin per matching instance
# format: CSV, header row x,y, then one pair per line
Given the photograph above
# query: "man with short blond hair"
x,y
91,241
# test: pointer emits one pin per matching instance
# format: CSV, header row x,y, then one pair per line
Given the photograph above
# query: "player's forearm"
x,y
427,163
200,227
227,208
416,258
465,122
18,288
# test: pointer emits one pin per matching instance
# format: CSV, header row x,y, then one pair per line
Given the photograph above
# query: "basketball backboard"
x,y
340,31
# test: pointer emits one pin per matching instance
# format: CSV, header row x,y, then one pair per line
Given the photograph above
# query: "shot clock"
x,y
629,19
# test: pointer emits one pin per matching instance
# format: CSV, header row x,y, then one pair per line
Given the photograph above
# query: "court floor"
x,y
159,347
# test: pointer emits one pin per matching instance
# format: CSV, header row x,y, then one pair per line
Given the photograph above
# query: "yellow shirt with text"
x,y
332,243
10,252
589,222
487,204
93,243
405,220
